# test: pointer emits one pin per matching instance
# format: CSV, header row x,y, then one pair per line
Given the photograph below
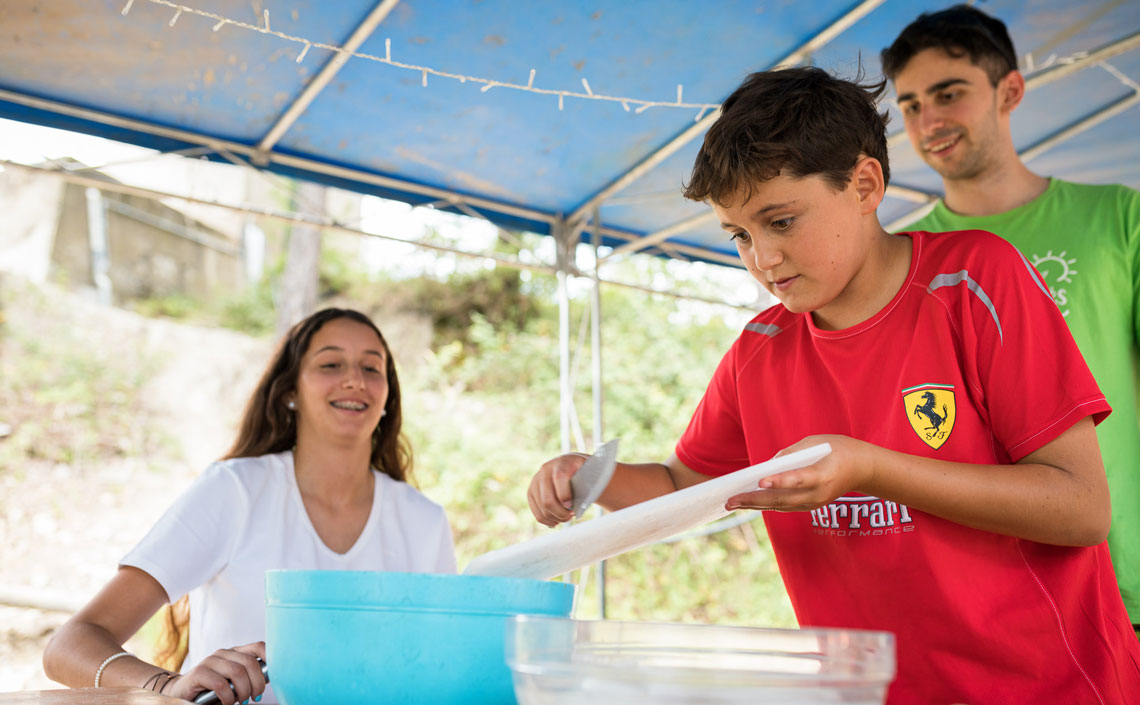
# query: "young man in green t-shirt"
x,y
955,74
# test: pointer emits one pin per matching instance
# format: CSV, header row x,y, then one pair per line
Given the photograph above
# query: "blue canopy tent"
x,y
553,117
532,114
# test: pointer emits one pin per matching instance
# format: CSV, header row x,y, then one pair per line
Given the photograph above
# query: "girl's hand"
x,y
849,467
549,494
234,674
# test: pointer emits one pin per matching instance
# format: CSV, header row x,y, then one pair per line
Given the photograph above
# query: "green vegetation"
x,y
249,311
68,398
481,412
654,375
482,416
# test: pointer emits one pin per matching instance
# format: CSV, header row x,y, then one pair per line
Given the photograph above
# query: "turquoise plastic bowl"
x,y
367,637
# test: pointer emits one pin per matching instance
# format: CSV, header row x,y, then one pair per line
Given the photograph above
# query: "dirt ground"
x,y
62,528
63,536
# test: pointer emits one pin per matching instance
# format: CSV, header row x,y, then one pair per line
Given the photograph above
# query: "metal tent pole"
x,y
310,92
98,245
596,373
562,235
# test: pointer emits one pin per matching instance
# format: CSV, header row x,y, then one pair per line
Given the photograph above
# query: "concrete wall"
x,y
30,204
151,246
154,249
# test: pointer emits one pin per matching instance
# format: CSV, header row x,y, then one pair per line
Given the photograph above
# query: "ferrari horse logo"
x,y
930,410
927,409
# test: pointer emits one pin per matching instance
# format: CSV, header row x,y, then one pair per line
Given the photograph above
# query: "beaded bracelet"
x,y
109,659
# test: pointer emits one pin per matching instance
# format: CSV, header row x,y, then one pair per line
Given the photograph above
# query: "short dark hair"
x,y
960,30
801,121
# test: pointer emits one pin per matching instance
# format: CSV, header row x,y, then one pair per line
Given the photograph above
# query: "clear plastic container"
x,y
557,661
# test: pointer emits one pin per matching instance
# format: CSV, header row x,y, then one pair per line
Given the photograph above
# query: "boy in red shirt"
x,y
964,506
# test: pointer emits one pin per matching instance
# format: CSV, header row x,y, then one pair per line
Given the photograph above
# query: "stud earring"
x,y
291,404
383,413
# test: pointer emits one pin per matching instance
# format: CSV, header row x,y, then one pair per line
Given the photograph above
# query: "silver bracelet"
x,y
109,659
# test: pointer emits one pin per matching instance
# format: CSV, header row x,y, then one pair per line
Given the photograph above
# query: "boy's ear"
x,y
1011,90
867,176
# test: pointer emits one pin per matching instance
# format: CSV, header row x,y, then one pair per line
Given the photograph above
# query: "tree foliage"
x,y
485,415
482,413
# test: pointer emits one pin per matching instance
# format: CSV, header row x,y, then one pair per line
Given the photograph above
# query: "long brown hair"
x,y
268,426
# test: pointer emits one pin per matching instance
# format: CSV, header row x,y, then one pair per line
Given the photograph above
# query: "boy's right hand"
x,y
550,494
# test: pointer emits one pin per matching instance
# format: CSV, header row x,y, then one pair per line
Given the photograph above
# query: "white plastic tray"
x,y
570,548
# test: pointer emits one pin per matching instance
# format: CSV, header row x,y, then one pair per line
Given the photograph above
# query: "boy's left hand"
x,y
849,466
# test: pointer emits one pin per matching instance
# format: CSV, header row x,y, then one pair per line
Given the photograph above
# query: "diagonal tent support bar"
x,y
680,296
630,199
300,163
1066,67
188,152
279,184
1061,69
511,236
695,221
832,31
210,144
322,79
672,146
1048,143
908,218
909,193
1080,126
706,217
1070,30
646,165
676,249
150,194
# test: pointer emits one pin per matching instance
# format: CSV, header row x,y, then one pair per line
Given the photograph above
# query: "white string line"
x,y
1121,76
487,83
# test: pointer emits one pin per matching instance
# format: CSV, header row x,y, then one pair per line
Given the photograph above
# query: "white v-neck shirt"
x,y
245,516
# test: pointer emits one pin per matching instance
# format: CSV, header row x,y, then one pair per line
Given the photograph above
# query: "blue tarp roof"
x,y
162,77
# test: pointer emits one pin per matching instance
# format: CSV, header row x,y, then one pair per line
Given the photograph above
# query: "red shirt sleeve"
x,y
1034,380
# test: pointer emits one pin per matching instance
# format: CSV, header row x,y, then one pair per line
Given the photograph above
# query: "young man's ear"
x,y
1011,90
868,179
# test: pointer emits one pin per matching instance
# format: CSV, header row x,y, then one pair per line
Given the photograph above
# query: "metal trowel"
x,y
593,477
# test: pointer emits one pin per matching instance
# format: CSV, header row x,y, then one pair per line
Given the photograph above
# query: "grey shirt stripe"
x,y
1033,275
963,276
764,329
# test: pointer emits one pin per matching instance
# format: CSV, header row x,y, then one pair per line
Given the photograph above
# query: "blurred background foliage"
x,y
481,410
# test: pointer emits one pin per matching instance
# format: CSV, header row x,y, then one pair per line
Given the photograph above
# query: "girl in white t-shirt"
x,y
317,479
